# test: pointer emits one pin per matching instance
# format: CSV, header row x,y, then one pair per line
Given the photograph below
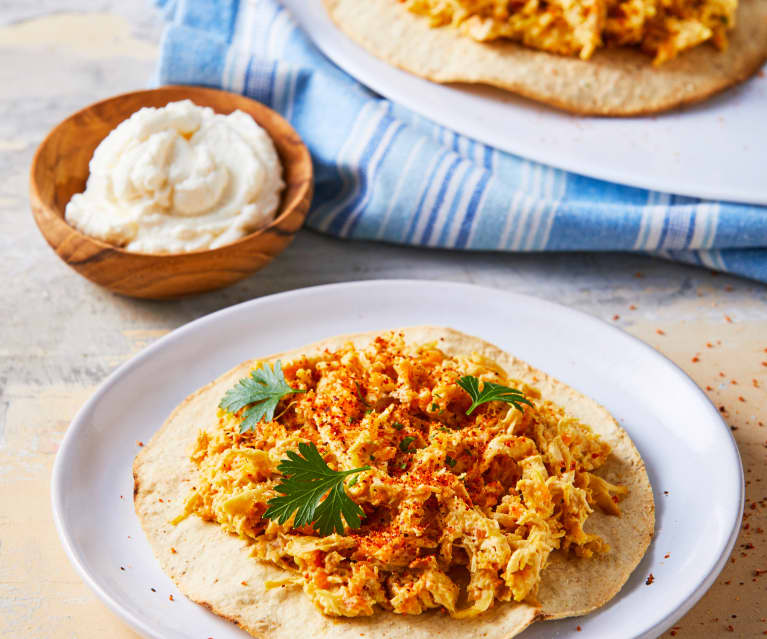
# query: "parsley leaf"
x,y
306,480
450,461
491,393
264,389
398,426
363,401
360,396
404,445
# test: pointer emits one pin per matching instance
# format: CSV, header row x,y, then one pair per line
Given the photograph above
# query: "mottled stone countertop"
x,y
61,335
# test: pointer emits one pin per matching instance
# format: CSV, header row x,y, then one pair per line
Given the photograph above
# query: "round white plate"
x,y
690,454
712,150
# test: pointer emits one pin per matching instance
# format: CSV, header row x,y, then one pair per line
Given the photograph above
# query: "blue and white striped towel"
x,y
385,173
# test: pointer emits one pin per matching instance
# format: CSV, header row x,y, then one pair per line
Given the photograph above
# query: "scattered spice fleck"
x,y
740,398
153,589
577,628
709,388
170,598
695,359
660,331
173,550
667,555
728,319
244,583
650,579
122,568
616,317
665,492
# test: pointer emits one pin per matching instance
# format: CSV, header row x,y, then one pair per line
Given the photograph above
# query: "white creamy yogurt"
x,y
179,178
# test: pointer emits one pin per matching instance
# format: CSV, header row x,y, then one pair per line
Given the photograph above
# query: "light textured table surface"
x,y
60,335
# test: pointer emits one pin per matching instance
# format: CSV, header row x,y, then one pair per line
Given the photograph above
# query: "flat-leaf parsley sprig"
x,y
491,392
306,480
264,389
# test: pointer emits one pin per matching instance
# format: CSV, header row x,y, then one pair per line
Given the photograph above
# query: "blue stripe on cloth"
x,y
423,193
690,227
456,202
471,211
439,200
362,184
259,79
664,231
383,151
383,172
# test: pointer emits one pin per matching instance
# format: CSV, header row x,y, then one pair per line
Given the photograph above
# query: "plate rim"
x,y
70,437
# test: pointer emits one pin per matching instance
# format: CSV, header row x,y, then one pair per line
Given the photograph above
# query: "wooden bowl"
x,y
60,169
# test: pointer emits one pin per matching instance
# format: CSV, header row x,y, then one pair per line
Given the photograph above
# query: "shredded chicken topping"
x,y
464,514
661,28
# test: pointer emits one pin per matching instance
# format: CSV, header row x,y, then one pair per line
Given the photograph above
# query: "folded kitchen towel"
x,y
385,173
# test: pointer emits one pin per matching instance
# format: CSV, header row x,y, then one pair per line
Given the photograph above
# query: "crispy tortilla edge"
x,y
215,569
